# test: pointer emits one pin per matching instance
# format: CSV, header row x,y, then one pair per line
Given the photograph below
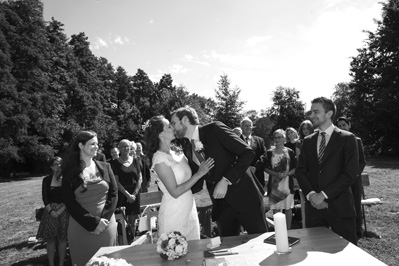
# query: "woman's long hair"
x,y
152,129
56,159
308,125
73,167
288,129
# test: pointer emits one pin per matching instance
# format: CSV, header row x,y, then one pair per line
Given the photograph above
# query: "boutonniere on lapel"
x,y
198,146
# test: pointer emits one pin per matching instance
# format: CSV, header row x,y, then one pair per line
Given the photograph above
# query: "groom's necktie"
x,y
322,146
197,154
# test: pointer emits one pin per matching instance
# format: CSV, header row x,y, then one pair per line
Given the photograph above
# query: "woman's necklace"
x,y
126,162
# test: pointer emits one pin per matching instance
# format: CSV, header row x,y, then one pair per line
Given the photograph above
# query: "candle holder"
x,y
282,253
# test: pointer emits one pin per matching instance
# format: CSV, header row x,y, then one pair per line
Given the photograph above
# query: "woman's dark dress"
x,y
128,177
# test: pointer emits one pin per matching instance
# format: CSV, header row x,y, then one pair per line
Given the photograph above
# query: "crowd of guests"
x,y
85,189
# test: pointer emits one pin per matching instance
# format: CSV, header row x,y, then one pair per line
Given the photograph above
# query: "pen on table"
x,y
225,253
219,250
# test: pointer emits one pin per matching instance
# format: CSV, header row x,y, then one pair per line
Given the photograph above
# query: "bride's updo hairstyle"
x,y
152,129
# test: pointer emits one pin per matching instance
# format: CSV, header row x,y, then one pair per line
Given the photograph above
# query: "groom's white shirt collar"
x,y
195,135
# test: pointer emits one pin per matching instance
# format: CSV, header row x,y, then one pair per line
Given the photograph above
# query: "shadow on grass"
x,y
25,244
370,234
383,162
18,179
40,260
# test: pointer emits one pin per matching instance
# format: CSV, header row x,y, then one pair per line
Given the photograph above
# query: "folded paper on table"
x,y
215,242
228,261
221,252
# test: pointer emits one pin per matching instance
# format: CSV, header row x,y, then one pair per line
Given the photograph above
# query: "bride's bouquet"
x,y
172,245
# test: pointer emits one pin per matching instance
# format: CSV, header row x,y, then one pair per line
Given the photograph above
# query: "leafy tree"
x,y
342,98
263,129
287,109
374,85
229,107
9,124
24,114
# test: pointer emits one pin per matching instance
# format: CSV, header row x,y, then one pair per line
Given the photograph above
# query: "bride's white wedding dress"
x,y
177,214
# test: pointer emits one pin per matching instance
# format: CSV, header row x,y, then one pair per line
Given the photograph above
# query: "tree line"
x,y
52,86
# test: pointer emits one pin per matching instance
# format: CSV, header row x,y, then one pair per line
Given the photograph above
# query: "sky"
x,y
259,44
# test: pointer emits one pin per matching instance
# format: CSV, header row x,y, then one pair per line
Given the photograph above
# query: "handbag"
x,y
39,213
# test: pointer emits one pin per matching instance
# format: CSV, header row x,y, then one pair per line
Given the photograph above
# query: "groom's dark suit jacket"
x,y
334,176
232,158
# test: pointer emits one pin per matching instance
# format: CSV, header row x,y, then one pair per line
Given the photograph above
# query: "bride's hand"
x,y
206,166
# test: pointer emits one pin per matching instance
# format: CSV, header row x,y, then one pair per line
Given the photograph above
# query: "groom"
x,y
234,192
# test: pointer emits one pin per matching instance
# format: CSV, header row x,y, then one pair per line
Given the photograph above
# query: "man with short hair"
x,y
326,169
344,124
256,143
237,199
144,166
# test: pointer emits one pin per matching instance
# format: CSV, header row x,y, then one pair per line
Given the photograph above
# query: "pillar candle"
x,y
280,227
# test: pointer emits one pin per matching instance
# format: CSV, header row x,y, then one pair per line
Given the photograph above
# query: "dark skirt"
x,y
53,228
131,208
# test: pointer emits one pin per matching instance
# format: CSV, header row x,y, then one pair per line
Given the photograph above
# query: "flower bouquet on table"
x,y
105,261
172,245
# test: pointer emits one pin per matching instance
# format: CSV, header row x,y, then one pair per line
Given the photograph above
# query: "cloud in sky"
x,y
109,42
178,69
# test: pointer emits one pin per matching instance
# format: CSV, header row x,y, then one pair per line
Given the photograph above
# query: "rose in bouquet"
x,y
105,261
172,245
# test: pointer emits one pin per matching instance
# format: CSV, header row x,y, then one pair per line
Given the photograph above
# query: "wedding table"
x,y
317,246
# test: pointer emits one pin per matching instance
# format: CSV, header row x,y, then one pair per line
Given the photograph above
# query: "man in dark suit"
x,y
327,167
344,124
144,166
237,199
256,143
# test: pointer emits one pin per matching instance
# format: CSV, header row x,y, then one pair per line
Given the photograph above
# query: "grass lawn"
x,y
19,198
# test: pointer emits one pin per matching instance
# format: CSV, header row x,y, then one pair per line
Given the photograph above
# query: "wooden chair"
x,y
204,217
303,200
149,203
150,198
367,202
120,215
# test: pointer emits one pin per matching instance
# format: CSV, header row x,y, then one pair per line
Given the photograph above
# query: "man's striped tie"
x,y
322,146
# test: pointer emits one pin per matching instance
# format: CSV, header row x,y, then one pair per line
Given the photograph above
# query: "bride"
x,y
178,211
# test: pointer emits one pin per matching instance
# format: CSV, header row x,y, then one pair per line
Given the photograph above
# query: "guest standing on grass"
x,y
305,129
90,195
291,139
54,223
344,124
128,177
327,167
144,166
279,162
257,144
